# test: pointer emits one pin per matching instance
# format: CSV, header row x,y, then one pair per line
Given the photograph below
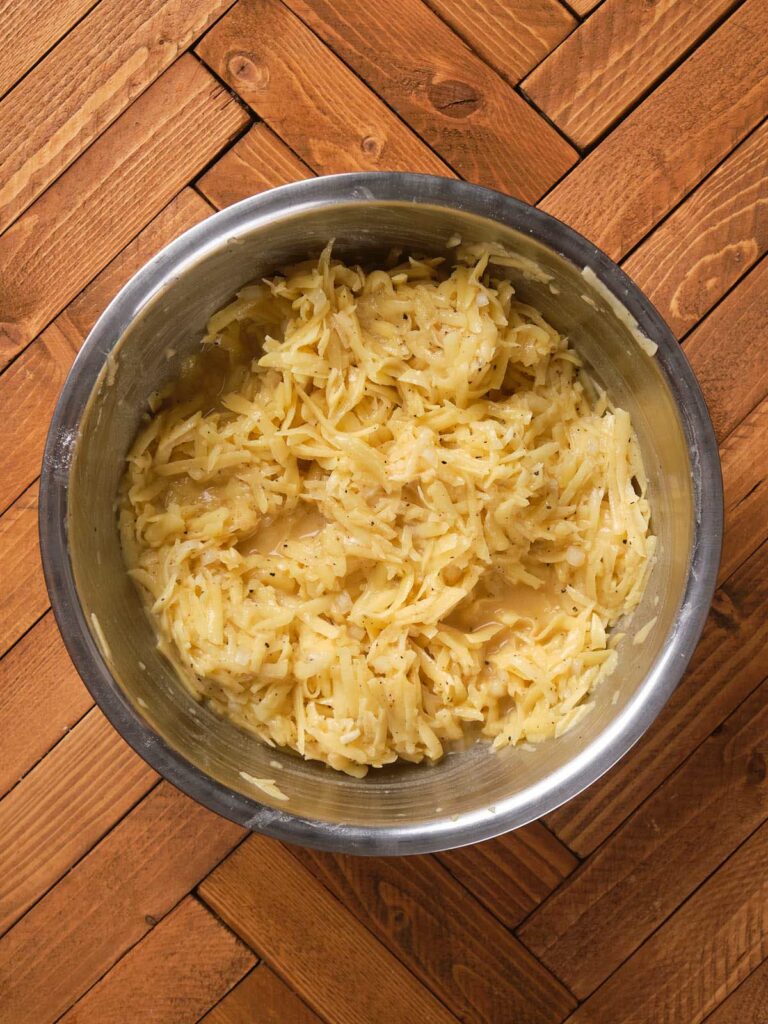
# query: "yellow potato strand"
x,y
382,506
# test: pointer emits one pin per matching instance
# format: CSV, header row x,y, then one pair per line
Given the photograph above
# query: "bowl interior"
x,y
474,790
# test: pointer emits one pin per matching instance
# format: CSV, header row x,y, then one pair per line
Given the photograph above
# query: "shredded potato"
x,y
384,508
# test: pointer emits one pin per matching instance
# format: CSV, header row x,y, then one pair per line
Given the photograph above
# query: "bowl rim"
x,y
448,832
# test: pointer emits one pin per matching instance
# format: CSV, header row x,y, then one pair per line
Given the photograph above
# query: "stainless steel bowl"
x,y
138,343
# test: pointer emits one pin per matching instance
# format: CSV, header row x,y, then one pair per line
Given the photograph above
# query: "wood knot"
x,y
756,768
399,918
453,98
724,612
371,145
247,72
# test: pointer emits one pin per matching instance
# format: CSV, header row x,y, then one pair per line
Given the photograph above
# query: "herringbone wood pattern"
x,y
640,123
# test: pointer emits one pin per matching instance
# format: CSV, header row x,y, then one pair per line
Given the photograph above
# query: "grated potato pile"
x,y
381,508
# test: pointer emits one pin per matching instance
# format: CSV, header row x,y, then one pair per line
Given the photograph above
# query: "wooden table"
x,y
641,124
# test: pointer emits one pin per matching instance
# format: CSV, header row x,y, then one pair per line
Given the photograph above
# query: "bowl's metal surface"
x,y
159,316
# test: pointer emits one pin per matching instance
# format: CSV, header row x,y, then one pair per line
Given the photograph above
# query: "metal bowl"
x,y
158,318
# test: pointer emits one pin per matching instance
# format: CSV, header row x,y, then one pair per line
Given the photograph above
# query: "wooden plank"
x,y
79,89
728,664
183,212
665,147
29,30
28,393
611,60
514,873
747,1004
97,206
450,97
510,36
665,850
255,163
173,976
31,385
700,955
448,940
261,996
24,597
326,955
710,241
312,100
727,352
41,696
62,807
120,890
744,456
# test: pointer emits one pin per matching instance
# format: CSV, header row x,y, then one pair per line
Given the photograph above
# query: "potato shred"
x,y
382,508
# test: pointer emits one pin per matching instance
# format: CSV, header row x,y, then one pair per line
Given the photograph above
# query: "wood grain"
x,y
744,456
182,212
747,1004
30,386
512,874
699,955
510,36
255,163
24,597
29,29
28,393
62,807
453,100
97,206
728,664
710,241
41,696
172,976
87,81
292,80
672,843
611,60
339,958
261,996
121,889
727,352
455,947
636,175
